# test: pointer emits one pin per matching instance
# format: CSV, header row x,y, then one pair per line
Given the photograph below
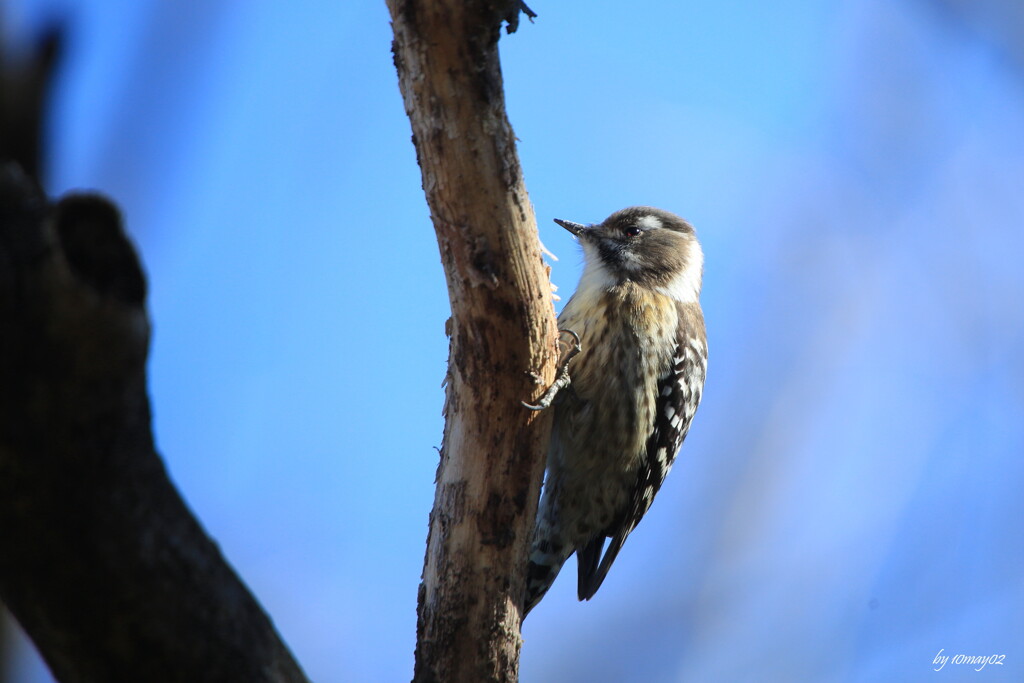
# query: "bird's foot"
x,y
563,379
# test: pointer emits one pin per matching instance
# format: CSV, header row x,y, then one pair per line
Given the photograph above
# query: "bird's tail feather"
x,y
545,563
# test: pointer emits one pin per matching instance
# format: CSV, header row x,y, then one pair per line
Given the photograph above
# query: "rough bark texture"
x,y
502,339
100,560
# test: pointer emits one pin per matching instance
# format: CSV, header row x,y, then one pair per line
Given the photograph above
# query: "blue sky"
x,y
847,503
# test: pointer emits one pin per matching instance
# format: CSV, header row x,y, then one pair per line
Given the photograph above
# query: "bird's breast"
x,y
627,335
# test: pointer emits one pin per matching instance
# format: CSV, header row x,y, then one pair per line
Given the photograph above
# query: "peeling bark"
x,y
503,338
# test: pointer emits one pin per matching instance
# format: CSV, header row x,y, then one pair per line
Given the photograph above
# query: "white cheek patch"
x,y
685,287
649,222
596,276
631,261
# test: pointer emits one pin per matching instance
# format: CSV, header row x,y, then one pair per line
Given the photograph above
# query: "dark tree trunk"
x,y
100,560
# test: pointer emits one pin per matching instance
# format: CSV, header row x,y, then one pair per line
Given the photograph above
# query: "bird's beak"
x,y
575,228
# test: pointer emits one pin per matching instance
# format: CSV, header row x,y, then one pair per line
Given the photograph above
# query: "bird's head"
x,y
655,249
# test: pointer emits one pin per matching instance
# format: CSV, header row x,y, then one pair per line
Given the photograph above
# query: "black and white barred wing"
x,y
679,394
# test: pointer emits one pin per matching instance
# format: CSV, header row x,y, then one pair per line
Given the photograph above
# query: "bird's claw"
x,y
563,380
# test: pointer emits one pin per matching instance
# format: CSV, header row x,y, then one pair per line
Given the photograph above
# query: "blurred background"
x,y
848,503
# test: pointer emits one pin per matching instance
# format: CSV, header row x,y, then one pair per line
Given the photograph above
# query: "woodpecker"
x,y
630,385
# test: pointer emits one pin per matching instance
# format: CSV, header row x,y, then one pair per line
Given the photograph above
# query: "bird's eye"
x,y
631,231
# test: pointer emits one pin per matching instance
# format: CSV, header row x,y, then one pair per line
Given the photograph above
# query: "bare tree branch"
x,y
100,560
24,85
503,338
